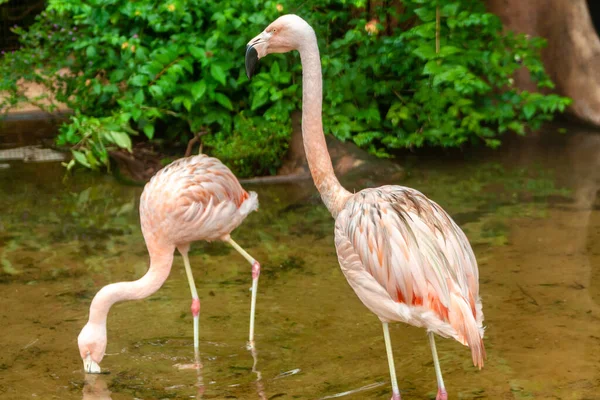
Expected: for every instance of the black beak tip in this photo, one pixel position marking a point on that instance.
(251, 61)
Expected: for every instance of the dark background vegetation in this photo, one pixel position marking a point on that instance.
(397, 74)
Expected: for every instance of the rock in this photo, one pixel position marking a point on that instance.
(346, 158)
(31, 154)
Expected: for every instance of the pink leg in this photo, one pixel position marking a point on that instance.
(195, 308)
(196, 314)
(255, 274)
(441, 394)
(388, 349)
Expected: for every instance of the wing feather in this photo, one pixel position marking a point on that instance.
(198, 193)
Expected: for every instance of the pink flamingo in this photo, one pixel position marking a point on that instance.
(402, 254)
(193, 198)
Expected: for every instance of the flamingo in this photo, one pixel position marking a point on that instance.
(401, 252)
(193, 198)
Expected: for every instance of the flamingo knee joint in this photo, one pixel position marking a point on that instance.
(195, 307)
(255, 269)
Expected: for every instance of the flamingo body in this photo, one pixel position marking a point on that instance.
(193, 198)
(409, 262)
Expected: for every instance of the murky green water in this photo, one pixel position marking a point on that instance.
(531, 212)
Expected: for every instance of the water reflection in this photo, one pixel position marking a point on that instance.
(577, 158)
(95, 387)
(584, 154)
(199, 381)
(260, 387)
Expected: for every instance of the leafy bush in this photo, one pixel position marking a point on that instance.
(389, 92)
(167, 69)
(128, 67)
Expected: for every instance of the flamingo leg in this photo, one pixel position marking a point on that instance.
(441, 394)
(255, 274)
(195, 304)
(390, 356)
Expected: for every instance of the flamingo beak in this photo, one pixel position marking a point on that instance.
(90, 366)
(251, 60)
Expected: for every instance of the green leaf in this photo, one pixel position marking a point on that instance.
(432, 67)
(529, 110)
(448, 50)
(81, 159)
(149, 130)
(224, 101)
(517, 127)
(136, 113)
(121, 139)
(187, 103)
(151, 69)
(217, 72)
(260, 98)
(197, 52)
(426, 14)
(156, 91)
(198, 89)
(139, 97)
(90, 51)
(275, 70)
(139, 80)
(425, 51)
(449, 74)
(426, 30)
(187, 65)
(117, 75)
(124, 118)
(450, 10)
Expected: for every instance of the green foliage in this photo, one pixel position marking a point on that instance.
(251, 147)
(158, 69)
(411, 95)
(163, 70)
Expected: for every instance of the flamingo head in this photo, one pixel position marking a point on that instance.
(288, 32)
(92, 345)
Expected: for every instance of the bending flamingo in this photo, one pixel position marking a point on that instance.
(402, 254)
(193, 198)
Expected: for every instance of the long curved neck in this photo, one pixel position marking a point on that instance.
(160, 266)
(333, 194)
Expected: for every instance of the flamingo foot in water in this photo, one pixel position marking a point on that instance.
(396, 396)
(441, 395)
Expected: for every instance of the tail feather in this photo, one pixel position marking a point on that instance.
(468, 330)
(250, 204)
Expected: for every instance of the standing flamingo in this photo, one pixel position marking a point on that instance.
(193, 198)
(402, 254)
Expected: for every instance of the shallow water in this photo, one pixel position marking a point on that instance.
(530, 210)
